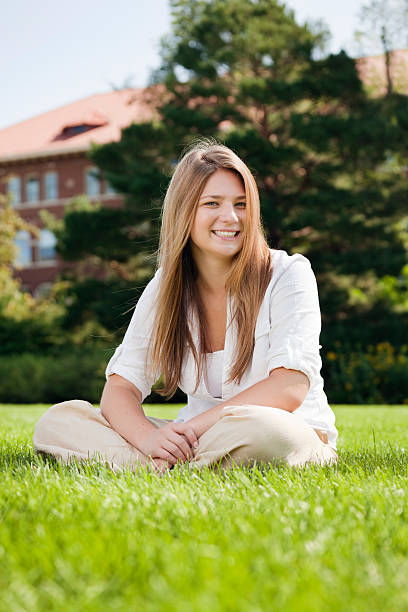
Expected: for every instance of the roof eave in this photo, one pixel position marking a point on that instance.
(39, 154)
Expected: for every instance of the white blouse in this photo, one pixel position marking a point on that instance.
(214, 373)
(286, 335)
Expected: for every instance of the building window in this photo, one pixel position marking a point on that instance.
(46, 245)
(23, 242)
(51, 185)
(32, 189)
(92, 182)
(74, 130)
(109, 189)
(14, 188)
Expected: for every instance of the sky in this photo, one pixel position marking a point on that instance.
(54, 53)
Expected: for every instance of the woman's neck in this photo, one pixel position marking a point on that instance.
(212, 277)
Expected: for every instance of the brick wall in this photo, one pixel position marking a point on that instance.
(71, 170)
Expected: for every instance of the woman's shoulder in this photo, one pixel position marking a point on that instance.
(288, 271)
(281, 261)
(154, 281)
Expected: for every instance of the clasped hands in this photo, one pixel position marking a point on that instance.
(168, 444)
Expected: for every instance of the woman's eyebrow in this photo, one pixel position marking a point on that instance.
(220, 197)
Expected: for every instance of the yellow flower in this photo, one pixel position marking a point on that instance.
(331, 356)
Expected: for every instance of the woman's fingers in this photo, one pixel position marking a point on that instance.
(182, 443)
(167, 456)
(188, 432)
(174, 450)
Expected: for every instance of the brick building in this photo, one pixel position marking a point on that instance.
(43, 162)
(43, 165)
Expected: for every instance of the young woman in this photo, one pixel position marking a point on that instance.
(230, 321)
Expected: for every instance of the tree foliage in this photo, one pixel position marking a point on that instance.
(25, 323)
(330, 163)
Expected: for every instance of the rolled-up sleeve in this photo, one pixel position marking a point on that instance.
(129, 357)
(295, 321)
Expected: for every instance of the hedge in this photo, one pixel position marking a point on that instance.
(376, 375)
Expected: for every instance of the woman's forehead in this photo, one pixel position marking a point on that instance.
(224, 182)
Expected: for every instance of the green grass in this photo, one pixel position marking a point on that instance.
(82, 538)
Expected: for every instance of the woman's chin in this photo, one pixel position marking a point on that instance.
(227, 251)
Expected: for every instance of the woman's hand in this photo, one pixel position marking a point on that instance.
(172, 442)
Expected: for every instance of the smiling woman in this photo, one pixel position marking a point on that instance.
(219, 222)
(232, 322)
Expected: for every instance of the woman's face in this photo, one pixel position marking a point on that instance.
(220, 218)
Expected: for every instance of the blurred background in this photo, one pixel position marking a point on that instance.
(98, 103)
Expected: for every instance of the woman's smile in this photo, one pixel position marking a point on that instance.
(226, 234)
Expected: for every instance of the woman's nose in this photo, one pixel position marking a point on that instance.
(228, 213)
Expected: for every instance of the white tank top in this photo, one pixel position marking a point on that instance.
(214, 373)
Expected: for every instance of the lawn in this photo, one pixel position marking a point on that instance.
(82, 538)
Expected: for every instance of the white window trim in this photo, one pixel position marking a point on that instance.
(65, 201)
(39, 246)
(15, 176)
(30, 243)
(86, 170)
(49, 263)
(27, 177)
(44, 177)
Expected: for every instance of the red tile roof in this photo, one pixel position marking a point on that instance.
(103, 114)
(371, 71)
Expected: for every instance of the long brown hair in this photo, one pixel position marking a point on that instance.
(249, 276)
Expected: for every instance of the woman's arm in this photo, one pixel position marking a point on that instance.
(121, 405)
(285, 389)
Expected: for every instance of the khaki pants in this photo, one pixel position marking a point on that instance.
(243, 435)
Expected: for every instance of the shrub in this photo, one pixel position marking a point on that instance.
(33, 378)
(58, 375)
(374, 376)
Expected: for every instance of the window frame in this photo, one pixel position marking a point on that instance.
(39, 247)
(29, 244)
(87, 171)
(47, 173)
(27, 178)
(9, 179)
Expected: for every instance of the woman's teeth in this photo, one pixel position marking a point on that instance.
(225, 234)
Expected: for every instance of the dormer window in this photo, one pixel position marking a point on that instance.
(79, 125)
(74, 130)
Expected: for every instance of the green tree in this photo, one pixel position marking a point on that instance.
(26, 324)
(330, 163)
(14, 302)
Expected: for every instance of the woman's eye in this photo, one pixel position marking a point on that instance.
(241, 204)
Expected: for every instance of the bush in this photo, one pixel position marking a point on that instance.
(59, 375)
(378, 375)
(33, 378)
